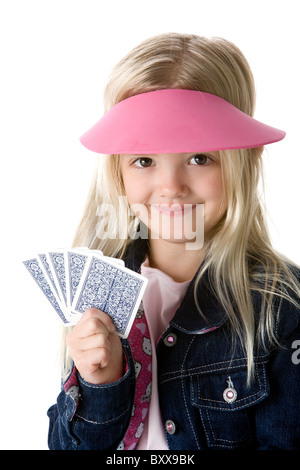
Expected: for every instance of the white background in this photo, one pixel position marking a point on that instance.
(55, 58)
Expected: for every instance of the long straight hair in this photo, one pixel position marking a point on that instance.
(239, 256)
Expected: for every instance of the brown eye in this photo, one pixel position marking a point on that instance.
(199, 159)
(144, 162)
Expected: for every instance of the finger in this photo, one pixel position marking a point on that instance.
(91, 360)
(95, 313)
(99, 340)
(92, 322)
(103, 317)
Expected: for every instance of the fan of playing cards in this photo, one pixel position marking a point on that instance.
(74, 280)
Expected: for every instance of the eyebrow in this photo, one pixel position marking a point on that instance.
(188, 154)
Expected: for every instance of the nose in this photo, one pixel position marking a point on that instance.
(171, 184)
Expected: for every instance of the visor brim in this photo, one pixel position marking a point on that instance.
(176, 121)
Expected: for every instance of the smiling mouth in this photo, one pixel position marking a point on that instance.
(173, 210)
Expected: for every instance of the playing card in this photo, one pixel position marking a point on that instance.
(35, 269)
(44, 264)
(77, 279)
(112, 288)
(56, 261)
(75, 262)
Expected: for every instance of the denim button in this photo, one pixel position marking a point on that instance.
(170, 426)
(170, 339)
(230, 393)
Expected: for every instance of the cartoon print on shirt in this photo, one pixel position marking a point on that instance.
(147, 395)
(147, 346)
(73, 392)
(137, 367)
(140, 311)
(139, 431)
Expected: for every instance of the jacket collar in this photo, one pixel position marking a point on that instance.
(188, 317)
(205, 317)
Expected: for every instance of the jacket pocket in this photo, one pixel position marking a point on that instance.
(226, 404)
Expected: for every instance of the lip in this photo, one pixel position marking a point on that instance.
(173, 210)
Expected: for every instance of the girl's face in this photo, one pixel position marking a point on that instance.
(162, 187)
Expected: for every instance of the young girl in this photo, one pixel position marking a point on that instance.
(215, 343)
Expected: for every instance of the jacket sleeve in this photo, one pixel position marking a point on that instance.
(88, 416)
(278, 417)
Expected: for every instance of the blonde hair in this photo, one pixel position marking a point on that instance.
(238, 257)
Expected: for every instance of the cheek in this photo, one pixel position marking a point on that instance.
(128, 186)
(212, 188)
(214, 198)
(135, 190)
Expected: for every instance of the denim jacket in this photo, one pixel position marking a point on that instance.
(205, 401)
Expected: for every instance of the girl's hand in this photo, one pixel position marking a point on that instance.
(95, 348)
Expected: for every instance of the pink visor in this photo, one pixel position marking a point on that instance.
(176, 121)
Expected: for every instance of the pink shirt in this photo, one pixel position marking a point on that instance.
(161, 300)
